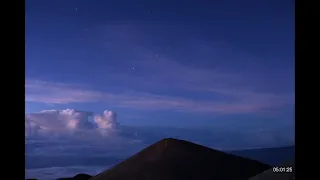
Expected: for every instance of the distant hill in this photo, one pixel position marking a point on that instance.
(173, 159)
(271, 156)
(78, 177)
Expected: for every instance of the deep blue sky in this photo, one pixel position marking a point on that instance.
(168, 63)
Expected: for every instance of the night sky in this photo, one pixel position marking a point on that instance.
(164, 63)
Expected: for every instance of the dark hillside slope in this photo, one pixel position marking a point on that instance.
(272, 156)
(172, 159)
(78, 177)
(271, 175)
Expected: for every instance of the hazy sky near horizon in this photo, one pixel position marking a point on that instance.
(164, 63)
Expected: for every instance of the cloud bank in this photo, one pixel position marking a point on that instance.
(69, 121)
(74, 126)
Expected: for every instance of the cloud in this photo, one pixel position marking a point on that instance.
(68, 121)
(236, 101)
(108, 120)
(163, 81)
(107, 123)
(72, 125)
(59, 93)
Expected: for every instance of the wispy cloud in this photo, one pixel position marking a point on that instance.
(59, 93)
(151, 79)
(155, 81)
(242, 102)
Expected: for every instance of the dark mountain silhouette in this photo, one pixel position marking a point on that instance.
(173, 159)
(78, 177)
(271, 156)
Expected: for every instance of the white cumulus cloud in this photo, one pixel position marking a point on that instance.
(107, 120)
(68, 121)
(107, 123)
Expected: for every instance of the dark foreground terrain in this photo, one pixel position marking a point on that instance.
(173, 159)
(288, 173)
(78, 177)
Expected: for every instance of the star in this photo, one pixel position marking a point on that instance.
(132, 68)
